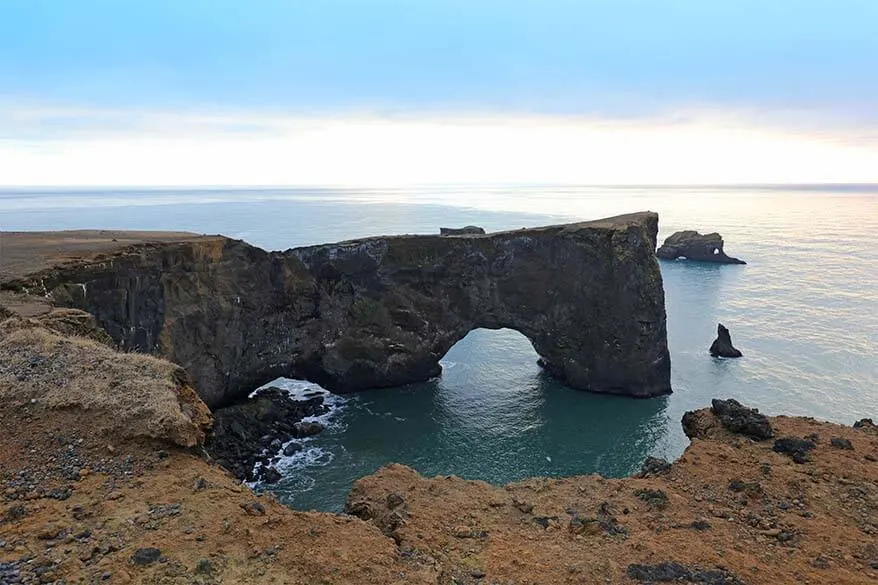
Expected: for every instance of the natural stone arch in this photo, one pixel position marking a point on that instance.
(383, 311)
(588, 296)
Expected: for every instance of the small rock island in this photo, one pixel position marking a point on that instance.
(690, 245)
(722, 345)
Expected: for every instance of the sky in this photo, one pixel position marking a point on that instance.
(369, 92)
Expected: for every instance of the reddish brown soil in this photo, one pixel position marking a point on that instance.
(768, 519)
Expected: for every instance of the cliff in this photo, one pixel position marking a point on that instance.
(379, 311)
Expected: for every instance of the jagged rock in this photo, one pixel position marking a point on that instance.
(669, 572)
(722, 345)
(146, 556)
(383, 311)
(840, 443)
(394, 500)
(691, 245)
(269, 475)
(733, 416)
(654, 466)
(470, 230)
(866, 424)
(243, 432)
(796, 448)
(307, 429)
(740, 419)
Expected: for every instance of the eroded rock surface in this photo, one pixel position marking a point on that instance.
(470, 230)
(382, 311)
(722, 345)
(691, 245)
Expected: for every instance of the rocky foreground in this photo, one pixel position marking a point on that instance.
(103, 480)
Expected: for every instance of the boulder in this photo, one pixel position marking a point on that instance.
(722, 345)
(690, 245)
(738, 418)
(307, 429)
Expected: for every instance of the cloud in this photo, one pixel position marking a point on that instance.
(81, 146)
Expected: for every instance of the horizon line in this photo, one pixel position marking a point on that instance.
(331, 186)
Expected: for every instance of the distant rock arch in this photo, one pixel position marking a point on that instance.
(383, 311)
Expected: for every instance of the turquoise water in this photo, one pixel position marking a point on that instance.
(804, 311)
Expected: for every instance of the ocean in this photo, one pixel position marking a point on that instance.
(804, 311)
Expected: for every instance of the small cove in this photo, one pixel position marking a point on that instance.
(804, 311)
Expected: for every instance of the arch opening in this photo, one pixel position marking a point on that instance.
(501, 352)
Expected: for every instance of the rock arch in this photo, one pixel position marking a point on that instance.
(588, 296)
(383, 311)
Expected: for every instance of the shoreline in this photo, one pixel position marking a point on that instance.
(103, 478)
(82, 502)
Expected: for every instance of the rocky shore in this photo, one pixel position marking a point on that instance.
(103, 480)
(248, 438)
(113, 470)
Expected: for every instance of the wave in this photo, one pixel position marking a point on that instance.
(309, 455)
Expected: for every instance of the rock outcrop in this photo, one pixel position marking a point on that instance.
(691, 245)
(49, 365)
(247, 436)
(382, 311)
(470, 230)
(722, 345)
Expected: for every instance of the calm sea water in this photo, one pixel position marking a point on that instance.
(804, 311)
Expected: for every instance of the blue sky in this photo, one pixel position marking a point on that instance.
(803, 65)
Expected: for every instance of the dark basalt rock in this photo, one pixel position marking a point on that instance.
(269, 475)
(737, 418)
(307, 429)
(671, 572)
(146, 556)
(796, 448)
(253, 431)
(690, 245)
(866, 424)
(470, 230)
(840, 443)
(722, 345)
(654, 466)
(383, 311)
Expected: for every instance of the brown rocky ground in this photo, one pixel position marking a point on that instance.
(87, 494)
(23, 253)
(728, 505)
(91, 482)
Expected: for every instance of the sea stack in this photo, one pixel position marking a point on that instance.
(722, 345)
(690, 245)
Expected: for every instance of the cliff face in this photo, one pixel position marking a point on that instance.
(383, 311)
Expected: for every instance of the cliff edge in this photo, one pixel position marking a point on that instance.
(379, 311)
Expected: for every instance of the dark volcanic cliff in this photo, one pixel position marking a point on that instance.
(383, 311)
